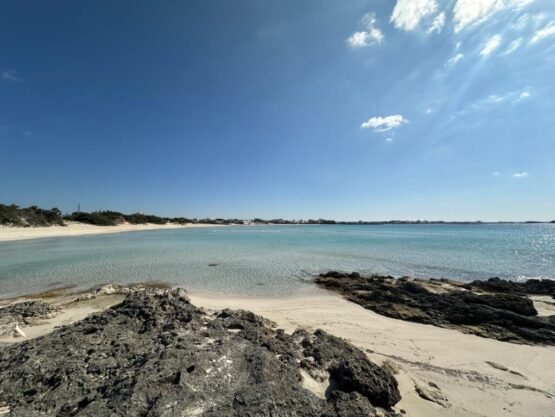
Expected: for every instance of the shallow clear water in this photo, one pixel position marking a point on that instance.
(274, 260)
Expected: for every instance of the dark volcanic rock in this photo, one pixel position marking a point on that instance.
(349, 368)
(22, 314)
(27, 311)
(158, 355)
(504, 316)
(532, 286)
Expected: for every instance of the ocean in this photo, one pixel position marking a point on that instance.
(277, 260)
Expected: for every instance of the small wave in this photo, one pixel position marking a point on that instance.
(524, 278)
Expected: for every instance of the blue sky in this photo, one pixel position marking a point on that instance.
(382, 109)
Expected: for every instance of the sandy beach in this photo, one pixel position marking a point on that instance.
(475, 376)
(8, 233)
(461, 374)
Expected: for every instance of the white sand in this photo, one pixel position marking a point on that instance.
(8, 233)
(475, 376)
(454, 361)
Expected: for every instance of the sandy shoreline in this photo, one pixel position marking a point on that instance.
(8, 233)
(475, 376)
(466, 368)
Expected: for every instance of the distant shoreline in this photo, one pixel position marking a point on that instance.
(15, 233)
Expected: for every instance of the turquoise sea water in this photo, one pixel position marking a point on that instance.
(274, 260)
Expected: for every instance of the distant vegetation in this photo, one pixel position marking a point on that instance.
(12, 215)
(31, 216)
(112, 218)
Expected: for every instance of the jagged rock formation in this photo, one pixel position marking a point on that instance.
(506, 315)
(15, 316)
(532, 286)
(155, 354)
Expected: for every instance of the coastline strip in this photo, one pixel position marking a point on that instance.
(10, 234)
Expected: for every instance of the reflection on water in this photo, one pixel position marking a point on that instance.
(272, 260)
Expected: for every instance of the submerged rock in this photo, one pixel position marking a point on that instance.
(505, 316)
(156, 354)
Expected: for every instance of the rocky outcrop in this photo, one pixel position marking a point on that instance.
(156, 354)
(507, 315)
(15, 316)
(531, 287)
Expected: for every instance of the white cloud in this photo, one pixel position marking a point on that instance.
(9, 76)
(495, 99)
(407, 14)
(389, 140)
(437, 23)
(513, 46)
(429, 110)
(371, 36)
(520, 175)
(453, 60)
(491, 45)
(537, 18)
(521, 22)
(527, 19)
(471, 12)
(547, 31)
(523, 95)
(495, 174)
(359, 40)
(383, 124)
(489, 102)
(513, 96)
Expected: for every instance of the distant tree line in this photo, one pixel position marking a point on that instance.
(13, 215)
(33, 216)
(113, 218)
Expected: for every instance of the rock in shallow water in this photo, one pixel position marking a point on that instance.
(158, 355)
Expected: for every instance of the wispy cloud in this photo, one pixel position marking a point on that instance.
(437, 23)
(453, 60)
(371, 36)
(407, 14)
(523, 95)
(547, 31)
(495, 174)
(472, 12)
(493, 100)
(491, 45)
(9, 76)
(513, 46)
(385, 123)
(273, 30)
(520, 175)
